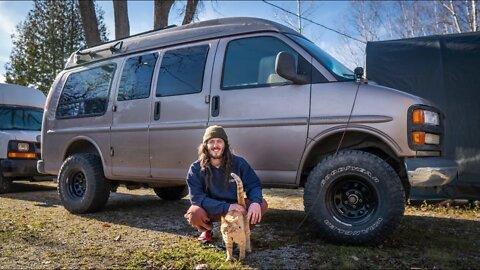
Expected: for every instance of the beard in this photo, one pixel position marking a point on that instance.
(215, 154)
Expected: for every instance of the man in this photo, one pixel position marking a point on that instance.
(212, 190)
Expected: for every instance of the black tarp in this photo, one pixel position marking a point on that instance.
(444, 69)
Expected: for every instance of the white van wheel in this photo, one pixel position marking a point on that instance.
(81, 184)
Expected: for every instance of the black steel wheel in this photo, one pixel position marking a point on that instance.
(354, 198)
(82, 186)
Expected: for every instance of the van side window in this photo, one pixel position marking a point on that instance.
(250, 62)
(181, 71)
(137, 77)
(86, 92)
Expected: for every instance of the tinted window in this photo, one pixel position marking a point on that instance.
(86, 92)
(20, 118)
(340, 71)
(137, 77)
(181, 71)
(250, 62)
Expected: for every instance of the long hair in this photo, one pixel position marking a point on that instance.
(205, 162)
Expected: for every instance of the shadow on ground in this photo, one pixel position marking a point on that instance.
(279, 226)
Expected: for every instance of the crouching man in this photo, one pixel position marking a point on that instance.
(212, 191)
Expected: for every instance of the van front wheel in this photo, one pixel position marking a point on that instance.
(354, 198)
(81, 184)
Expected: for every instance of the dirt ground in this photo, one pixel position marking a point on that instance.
(136, 229)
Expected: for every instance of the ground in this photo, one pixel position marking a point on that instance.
(136, 229)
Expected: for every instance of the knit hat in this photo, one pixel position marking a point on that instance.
(215, 132)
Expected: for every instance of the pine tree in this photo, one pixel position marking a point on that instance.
(44, 41)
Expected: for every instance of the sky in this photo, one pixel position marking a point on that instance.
(328, 13)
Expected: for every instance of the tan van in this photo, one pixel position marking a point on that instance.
(21, 112)
(133, 112)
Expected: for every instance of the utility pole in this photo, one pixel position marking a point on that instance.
(299, 18)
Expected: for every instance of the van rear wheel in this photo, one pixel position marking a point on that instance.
(81, 184)
(171, 193)
(5, 184)
(354, 198)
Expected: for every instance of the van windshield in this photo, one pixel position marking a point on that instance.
(20, 118)
(340, 71)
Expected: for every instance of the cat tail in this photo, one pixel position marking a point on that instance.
(240, 195)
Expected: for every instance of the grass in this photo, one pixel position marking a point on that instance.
(136, 230)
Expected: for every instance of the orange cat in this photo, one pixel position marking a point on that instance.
(235, 226)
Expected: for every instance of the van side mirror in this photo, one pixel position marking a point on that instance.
(286, 66)
(358, 74)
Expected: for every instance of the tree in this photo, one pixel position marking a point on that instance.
(377, 20)
(90, 24)
(122, 25)
(161, 9)
(44, 41)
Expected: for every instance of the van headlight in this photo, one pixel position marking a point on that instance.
(24, 150)
(425, 117)
(425, 128)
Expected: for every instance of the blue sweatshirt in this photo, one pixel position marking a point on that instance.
(217, 199)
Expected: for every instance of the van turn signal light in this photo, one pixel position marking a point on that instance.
(418, 137)
(21, 155)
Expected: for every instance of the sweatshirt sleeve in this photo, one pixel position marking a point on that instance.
(251, 182)
(196, 188)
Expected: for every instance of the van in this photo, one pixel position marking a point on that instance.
(133, 111)
(21, 112)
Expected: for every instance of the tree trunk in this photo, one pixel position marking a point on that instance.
(89, 21)
(190, 11)
(122, 25)
(161, 11)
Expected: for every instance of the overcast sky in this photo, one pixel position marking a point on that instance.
(328, 13)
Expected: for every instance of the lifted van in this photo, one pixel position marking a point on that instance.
(21, 112)
(133, 112)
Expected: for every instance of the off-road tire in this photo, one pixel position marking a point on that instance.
(354, 198)
(81, 184)
(171, 193)
(5, 184)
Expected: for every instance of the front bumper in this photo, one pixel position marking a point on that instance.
(429, 172)
(19, 168)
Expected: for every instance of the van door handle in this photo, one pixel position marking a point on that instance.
(215, 106)
(156, 112)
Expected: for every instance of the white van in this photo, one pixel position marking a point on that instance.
(21, 112)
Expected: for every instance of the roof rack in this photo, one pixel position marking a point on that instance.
(172, 35)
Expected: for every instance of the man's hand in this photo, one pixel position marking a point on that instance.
(254, 213)
(237, 207)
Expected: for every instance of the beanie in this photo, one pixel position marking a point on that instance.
(215, 132)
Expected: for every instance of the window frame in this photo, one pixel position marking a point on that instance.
(280, 37)
(173, 48)
(83, 69)
(152, 80)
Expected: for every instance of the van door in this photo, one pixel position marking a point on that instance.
(180, 108)
(131, 117)
(265, 115)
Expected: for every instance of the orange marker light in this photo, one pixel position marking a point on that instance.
(418, 137)
(418, 117)
(22, 155)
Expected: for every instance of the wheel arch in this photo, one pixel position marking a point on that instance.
(356, 138)
(83, 144)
